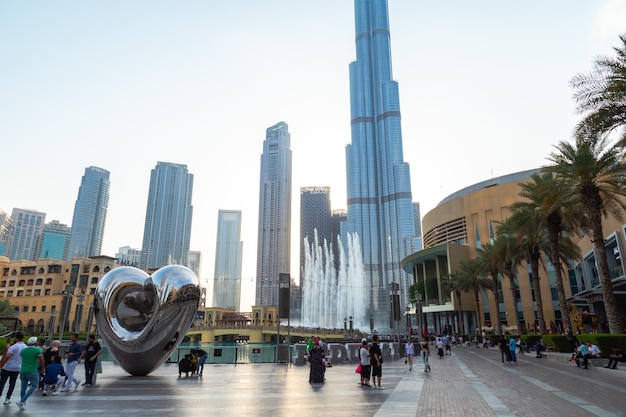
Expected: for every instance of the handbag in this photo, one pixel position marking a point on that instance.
(358, 369)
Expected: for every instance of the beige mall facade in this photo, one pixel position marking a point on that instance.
(467, 219)
(49, 291)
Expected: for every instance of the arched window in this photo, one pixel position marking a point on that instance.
(39, 281)
(107, 268)
(96, 268)
(41, 271)
(14, 272)
(12, 283)
(30, 282)
(21, 283)
(49, 281)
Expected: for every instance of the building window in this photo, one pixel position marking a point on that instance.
(96, 268)
(21, 283)
(37, 292)
(92, 291)
(94, 280)
(30, 282)
(10, 293)
(25, 309)
(41, 271)
(47, 292)
(20, 293)
(49, 281)
(3, 284)
(12, 283)
(29, 293)
(39, 281)
(43, 309)
(33, 309)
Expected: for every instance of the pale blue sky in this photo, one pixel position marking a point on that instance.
(484, 90)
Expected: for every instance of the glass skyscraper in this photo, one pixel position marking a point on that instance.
(315, 215)
(379, 206)
(54, 242)
(274, 236)
(27, 226)
(167, 230)
(90, 212)
(228, 260)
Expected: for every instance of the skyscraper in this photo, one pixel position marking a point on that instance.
(167, 230)
(228, 260)
(90, 212)
(27, 226)
(6, 229)
(54, 242)
(378, 182)
(274, 236)
(315, 215)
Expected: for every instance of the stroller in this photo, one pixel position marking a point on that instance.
(186, 366)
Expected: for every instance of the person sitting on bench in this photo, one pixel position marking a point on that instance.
(617, 355)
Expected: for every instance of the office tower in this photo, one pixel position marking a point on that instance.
(274, 235)
(194, 261)
(90, 212)
(128, 256)
(167, 230)
(228, 260)
(27, 225)
(378, 182)
(54, 242)
(315, 215)
(6, 228)
(337, 217)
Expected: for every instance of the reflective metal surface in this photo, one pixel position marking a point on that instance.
(142, 318)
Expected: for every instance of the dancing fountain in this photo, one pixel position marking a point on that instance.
(330, 296)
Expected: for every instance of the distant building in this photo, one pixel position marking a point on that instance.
(194, 262)
(54, 242)
(128, 256)
(90, 212)
(167, 230)
(274, 235)
(315, 216)
(228, 260)
(27, 226)
(338, 217)
(6, 229)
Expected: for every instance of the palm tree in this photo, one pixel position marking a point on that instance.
(490, 262)
(557, 205)
(470, 278)
(600, 95)
(528, 227)
(595, 172)
(6, 309)
(508, 249)
(451, 283)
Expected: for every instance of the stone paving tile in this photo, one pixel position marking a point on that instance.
(472, 382)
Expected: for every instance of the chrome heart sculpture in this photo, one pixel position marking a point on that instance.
(142, 318)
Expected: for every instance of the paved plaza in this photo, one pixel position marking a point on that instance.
(471, 382)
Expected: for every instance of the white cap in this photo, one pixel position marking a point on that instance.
(363, 340)
(32, 341)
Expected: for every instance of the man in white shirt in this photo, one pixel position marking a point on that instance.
(594, 351)
(10, 364)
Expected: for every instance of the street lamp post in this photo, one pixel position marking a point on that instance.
(51, 323)
(67, 303)
(78, 316)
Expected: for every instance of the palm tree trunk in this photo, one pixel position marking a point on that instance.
(459, 313)
(518, 323)
(494, 278)
(595, 217)
(554, 234)
(478, 320)
(534, 267)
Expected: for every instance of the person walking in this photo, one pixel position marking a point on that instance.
(376, 360)
(10, 364)
(364, 357)
(73, 354)
(410, 351)
(504, 350)
(425, 348)
(31, 357)
(91, 353)
(512, 348)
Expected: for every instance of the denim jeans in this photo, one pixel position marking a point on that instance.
(33, 378)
